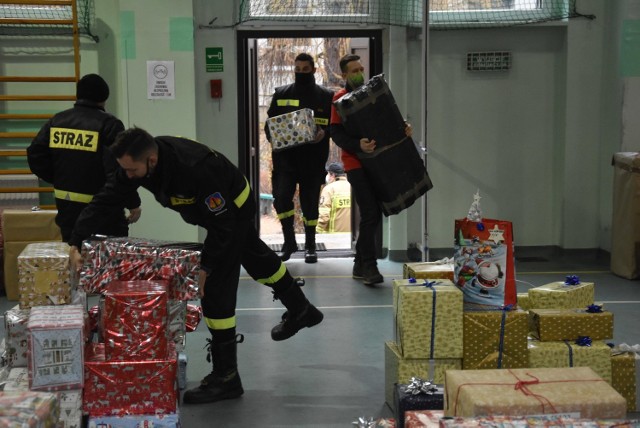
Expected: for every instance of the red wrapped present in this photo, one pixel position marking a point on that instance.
(135, 320)
(129, 387)
(56, 338)
(194, 315)
(127, 259)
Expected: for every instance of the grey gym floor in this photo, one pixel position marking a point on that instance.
(331, 374)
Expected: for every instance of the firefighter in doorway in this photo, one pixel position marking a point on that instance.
(303, 164)
(335, 202)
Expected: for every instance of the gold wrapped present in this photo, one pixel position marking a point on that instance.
(412, 282)
(518, 392)
(401, 370)
(558, 295)
(429, 321)
(44, 275)
(428, 270)
(624, 377)
(495, 339)
(523, 300)
(569, 354)
(569, 324)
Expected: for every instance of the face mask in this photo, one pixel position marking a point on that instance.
(327, 179)
(356, 80)
(305, 78)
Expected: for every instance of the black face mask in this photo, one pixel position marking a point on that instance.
(305, 79)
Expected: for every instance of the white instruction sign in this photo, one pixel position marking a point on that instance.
(160, 80)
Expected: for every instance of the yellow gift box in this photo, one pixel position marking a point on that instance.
(569, 354)
(401, 370)
(44, 275)
(624, 377)
(429, 320)
(523, 300)
(495, 339)
(428, 270)
(558, 295)
(569, 324)
(518, 392)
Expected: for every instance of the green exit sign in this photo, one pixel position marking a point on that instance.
(214, 59)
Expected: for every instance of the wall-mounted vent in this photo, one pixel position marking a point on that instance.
(488, 61)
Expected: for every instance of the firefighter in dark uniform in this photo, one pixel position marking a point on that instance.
(304, 164)
(70, 152)
(207, 190)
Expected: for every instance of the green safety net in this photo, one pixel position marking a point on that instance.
(443, 14)
(49, 14)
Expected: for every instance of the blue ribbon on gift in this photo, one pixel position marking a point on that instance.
(584, 341)
(566, 342)
(594, 309)
(503, 322)
(480, 226)
(572, 280)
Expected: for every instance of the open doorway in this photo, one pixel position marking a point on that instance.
(266, 62)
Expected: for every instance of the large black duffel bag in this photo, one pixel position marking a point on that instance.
(396, 169)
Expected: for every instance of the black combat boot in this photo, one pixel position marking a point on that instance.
(224, 381)
(310, 255)
(290, 246)
(370, 274)
(300, 313)
(357, 268)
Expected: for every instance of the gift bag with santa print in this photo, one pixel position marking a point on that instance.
(483, 260)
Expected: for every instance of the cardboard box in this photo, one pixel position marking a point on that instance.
(429, 321)
(400, 370)
(44, 274)
(518, 392)
(558, 295)
(569, 324)
(27, 225)
(568, 354)
(495, 340)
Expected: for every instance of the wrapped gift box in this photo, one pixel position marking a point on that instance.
(127, 259)
(597, 356)
(495, 339)
(538, 421)
(625, 377)
(18, 380)
(415, 283)
(292, 129)
(29, 409)
(517, 392)
(405, 398)
(523, 300)
(135, 320)
(15, 325)
(136, 421)
(178, 323)
(429, 320)
(56, 338)
(570, 324)
(558, 295)
(193, 317)
(428, 270)
(44, 275)
(423, 418)
(70, 409)
(118, 388)
(400, 370)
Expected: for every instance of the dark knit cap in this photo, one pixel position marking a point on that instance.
(336, 168)
(92, 87)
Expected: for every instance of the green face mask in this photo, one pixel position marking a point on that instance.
(356, 80)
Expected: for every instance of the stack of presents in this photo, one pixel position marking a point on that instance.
(471, 351)
(119, 362)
